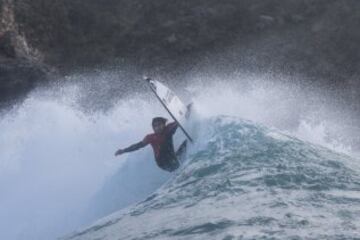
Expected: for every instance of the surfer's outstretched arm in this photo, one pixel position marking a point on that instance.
(131, 148)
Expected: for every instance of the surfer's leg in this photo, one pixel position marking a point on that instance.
(167, 158)
(167, 161)
(181, 149)
(171, 165)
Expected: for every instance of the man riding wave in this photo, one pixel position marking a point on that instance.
(162, 143)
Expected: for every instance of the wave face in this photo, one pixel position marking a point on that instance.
(245, 181)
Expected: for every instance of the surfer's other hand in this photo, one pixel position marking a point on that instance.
(119, 152)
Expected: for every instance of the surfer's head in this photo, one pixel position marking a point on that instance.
(158, 124)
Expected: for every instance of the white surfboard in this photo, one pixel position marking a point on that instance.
(175, 107)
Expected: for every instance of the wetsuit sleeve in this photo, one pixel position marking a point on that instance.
(171, 128)
(135, 146)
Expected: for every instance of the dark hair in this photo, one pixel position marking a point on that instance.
(158, 119)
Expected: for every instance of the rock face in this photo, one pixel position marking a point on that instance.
(21, 66)
(72, 32)
(317, 38)
(17, 79)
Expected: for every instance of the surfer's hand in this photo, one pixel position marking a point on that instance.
(119, 152)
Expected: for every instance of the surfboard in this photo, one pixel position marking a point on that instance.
(178, 111)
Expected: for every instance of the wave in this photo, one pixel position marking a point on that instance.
(57, 168)
(246, 181)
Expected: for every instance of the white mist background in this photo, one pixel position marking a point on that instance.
(54, 157)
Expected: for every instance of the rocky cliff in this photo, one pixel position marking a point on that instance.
(315, 38)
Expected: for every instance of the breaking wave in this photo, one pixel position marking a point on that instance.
(246, 181)
(58, 172)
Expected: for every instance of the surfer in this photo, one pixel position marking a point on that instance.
(162, 144)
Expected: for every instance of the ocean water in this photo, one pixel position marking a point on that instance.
(245, 181)
(58, 172)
